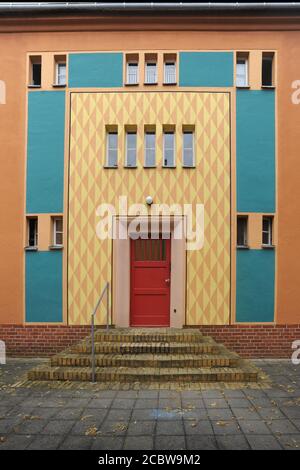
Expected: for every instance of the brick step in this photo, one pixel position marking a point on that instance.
(143, 335)
(146, 360)
(146, 375)
(207, 346)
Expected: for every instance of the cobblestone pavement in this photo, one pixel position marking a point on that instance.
(233, 418)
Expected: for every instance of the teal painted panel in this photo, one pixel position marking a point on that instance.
(207, 69)
(96, 70)
(255, 150)
(43, 286)
(45, 152)
(255, 277)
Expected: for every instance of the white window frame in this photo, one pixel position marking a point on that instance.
(108, 164)
(166, 80)
(149, 82)
(149, 148)
(56, 232)
(245, 234)
(128, 65)
(269, 231)
(36, 232)
(192, 148)
(245, 76)
(164, 149)
(127, 149)
(58, 64)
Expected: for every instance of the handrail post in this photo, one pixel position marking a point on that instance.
(107, 307)
(93, 349)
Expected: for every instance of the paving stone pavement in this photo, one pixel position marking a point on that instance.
(239, 418)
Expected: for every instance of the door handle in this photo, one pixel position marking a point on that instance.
(167, 281)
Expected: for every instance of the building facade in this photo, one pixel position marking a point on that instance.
(189, 108)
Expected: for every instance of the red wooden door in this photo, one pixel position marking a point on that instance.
(150, 282)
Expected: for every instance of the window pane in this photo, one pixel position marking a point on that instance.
(32, 232)
(267, 71)
(169, 158)
(59, 225)
(188, 157)
(59, 239)
(61, 74)
(168, 149)
(36, 74)
(112, 158)
(131, 149)
(150, 149)
(170, 72)
(241, 231)
(151, 76)
(169, 140)
(113, 140)
(241, 73)
(132, 73)
(265, 238)
(188, 138)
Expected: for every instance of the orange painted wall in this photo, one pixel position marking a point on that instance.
(131, 34)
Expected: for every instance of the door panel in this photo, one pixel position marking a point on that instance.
(150, 282)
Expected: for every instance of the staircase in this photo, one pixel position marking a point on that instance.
(148, 356)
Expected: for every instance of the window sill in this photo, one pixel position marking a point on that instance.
(130, 167)
(34, 86)
(152, 83)
(149, 166)
(243, 87)
(56, 247)
(188, 167)
(268, 247)
(58, 85)
(242, 247)
(31, 248)
(108, 167)
(268, 87)
(169, 167)
(131, 84)
(172, 84)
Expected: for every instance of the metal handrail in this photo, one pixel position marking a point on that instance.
(106, 289)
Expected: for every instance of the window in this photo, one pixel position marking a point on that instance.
(61, 73)
(150, 158)
(267, 229)
(32, 228)
(57, 231)
(241, 70)
(131, 148)
(188, 148)
(132, 73)
(169, 148)
(169, 72)
(112, 148)
(35, 78)
(267, 68)
(151, 73)
(242, 223)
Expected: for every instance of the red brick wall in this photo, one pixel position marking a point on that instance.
(256, 340)
(247, 340)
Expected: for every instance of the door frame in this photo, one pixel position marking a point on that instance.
(121, 276)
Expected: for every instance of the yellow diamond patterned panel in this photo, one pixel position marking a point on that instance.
(90, 184)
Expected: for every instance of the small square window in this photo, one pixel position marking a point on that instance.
(267, 231)
(242, 231)
(32, 232)
(57, 231)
